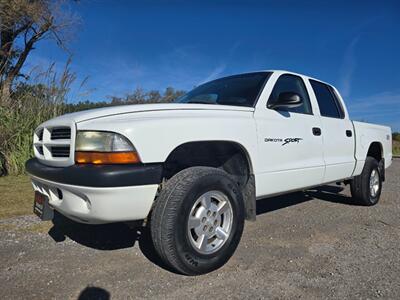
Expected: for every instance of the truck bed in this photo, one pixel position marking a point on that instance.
(365, 134)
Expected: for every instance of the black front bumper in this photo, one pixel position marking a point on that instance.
(97, 175)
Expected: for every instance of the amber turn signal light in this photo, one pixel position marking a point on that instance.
(100, 158)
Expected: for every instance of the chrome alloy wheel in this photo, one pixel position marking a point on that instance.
(374, 183)
(210, 222)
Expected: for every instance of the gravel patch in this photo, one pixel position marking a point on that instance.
(309, 245)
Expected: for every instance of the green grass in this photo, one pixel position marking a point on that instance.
(16, 196)
(16, 199)
(396, 148)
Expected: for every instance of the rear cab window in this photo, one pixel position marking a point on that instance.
(329, 104)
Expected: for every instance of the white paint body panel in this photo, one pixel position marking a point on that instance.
(338, 148)
(98, 205)
(366, 134)
(155, 134)
(292, 166)
(157, 129)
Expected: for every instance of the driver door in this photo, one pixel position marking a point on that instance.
(289, 141)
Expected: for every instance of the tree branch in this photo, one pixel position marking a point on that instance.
(28, 21)
(24, 54)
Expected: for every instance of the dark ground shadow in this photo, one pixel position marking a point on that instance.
(120, 235)
(94, 293)
(106, 237)
(328, 193)
(331, 193)
(103, 237)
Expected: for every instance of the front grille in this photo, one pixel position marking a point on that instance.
(40, 135)
(60, 151)
(62, 133)
(52, 144)
(39, 149)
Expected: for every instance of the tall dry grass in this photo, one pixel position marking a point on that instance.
(29, 105)
(43, 98)
(396, 148)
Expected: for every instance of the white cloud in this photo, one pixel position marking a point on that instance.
(214, 73)
(221, 67)
(380, 108)
(348, 67)
(385, 101)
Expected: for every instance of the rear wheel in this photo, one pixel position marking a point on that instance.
(366, 188)
(198, 220)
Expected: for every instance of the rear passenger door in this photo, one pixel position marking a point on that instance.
(337, 133)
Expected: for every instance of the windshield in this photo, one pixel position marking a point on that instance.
(238, 90)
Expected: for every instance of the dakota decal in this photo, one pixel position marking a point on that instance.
(283, 141)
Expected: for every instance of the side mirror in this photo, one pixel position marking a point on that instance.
(287, 100)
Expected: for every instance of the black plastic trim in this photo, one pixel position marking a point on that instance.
(381, 167)
(98, 175)
(316, 131)
(268, 76)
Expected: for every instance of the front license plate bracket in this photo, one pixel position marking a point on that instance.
(42, 208)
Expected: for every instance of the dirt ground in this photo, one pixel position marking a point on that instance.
(309, 245)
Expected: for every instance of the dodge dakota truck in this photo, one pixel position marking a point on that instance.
(193, 169)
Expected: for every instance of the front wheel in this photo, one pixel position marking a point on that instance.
(366, 187)
(198, 220)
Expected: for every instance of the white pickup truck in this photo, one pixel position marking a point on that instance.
(194, 169)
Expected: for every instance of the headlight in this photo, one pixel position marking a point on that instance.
(102, 142)
(97, 147)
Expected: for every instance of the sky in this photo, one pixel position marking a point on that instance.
(122, 45)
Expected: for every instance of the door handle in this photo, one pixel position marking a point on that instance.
(349, 133)
(316, 131)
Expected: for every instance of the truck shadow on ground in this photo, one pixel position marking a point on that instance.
(327, 193)
(120, 235)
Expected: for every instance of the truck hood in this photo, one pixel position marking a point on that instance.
(140, 108)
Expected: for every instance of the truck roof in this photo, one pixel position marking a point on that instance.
(291, 72)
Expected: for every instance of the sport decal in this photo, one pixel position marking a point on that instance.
(283, 141)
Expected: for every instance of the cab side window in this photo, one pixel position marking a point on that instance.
(327, 101)
(294, 84)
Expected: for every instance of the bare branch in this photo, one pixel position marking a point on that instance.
(32, 20)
